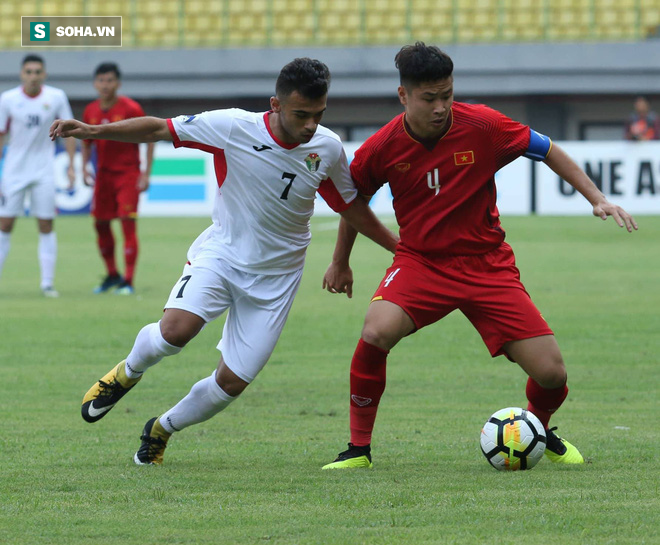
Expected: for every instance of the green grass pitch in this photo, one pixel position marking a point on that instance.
(252, 474)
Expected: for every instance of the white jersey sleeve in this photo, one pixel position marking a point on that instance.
(338, 189)
(208, 131)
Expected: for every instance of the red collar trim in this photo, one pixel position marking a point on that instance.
(272, 135)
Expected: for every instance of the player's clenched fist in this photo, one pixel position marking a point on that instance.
(63, 128)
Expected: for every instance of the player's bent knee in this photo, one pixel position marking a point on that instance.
(231, 384)
(377, 337)
(176, 336)
(552, 376)
(234, 388)
(386, 324)
(179, 329)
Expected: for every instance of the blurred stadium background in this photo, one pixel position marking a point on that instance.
(568, 68)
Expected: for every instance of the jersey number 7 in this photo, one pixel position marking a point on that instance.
(287, 176)
(184, 280)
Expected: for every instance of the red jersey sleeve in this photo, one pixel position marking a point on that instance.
(510, 138)
(366, 169)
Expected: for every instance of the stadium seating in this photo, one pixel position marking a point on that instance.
(265, 23)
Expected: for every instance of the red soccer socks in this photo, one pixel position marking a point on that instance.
(367, 386)
(129, 228)
(544, 402)
(106, 244)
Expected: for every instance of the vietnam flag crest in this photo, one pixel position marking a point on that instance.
(464, 158)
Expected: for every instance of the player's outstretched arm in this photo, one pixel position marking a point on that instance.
(559, 161)
(135, 130)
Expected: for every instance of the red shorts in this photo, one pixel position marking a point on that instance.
(116, 194)
(486, 288)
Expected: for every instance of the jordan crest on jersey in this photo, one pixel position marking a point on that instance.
(313, 161)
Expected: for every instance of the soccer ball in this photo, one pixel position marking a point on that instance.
(513, 439)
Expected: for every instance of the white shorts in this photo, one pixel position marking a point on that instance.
(42, 199)
(258, 308)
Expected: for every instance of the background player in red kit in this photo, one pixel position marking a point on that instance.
(119, 180)
(440, 159)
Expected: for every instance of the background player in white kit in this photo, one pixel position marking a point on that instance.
(269, 167)
(26, 112)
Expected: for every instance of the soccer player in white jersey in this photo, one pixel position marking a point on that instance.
(26, 112)
(269, 167)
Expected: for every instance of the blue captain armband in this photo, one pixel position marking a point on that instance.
(539, 146)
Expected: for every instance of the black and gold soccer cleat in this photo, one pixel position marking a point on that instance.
(105, 394)
(154, 440)
(353, 457)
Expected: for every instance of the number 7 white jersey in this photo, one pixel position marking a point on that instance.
(266, 188)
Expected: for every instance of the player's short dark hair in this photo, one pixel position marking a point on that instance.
(311, 78)
(421, 63)
(107, 67)
(32, 58)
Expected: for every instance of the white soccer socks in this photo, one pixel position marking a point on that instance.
(206, 399)
(150, 347)
(47, 258)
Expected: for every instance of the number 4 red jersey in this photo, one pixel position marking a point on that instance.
(444, 197)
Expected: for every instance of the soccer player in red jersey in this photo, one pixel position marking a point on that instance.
(440, 158)
(119, 180)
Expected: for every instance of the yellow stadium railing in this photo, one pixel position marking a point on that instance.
(164, 24)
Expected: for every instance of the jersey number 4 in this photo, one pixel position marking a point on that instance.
(287, 176)
(390, 277)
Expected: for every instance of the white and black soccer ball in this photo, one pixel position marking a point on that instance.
(513, 439)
